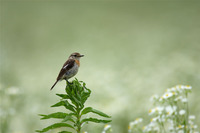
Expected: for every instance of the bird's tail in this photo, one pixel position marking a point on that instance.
(54, 84)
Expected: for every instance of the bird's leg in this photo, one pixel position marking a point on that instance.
(68, 81)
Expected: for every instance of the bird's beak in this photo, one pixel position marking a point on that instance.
(81, 55)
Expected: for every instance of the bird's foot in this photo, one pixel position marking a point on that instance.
(69, 82)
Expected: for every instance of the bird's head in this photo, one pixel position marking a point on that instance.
(76, 56)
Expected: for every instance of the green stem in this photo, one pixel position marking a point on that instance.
(163, 127)
(175, 120)
(78, 123)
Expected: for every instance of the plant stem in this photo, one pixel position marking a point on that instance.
(162, 124)
(164, 129)
(78, 123)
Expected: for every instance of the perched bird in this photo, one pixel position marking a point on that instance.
(70, 68)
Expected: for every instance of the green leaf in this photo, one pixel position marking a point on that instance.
(58, 115)
(85, 94)
(61, 103)
(76, 102)
(95, 120)
(69, 106)
(64, 96)
(69, 118)
(90, 109)
(64, 132)
(77, 93)
(56, 125)
(64, 103)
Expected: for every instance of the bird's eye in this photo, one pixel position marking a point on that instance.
(75, 55)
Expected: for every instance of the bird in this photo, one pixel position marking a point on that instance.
(69, 68)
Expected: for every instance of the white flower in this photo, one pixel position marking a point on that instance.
(182, 112)
(162, 118)
(179, 88)
(12, 91)
(167, 95)
(178, 98)
(191, 122)
(192, 117)
(180, 127)
(173, 89)
(145, 128)
(158, 119)
(171, 128)
(157, 110)
(154, 98)
(152, 126)
(152, 111)
(106, 128)
(168, 90)
(170, 110)
(133, 123)
(161, 99)
(137, 120)
(180, 131)
(184, 100)
(195, 126)
(188, 87)
(183, 87)
(154, 119)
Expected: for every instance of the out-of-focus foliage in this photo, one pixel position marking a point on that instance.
(10, 104)
(132, 49)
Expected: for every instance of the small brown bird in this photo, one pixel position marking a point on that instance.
(70, 68)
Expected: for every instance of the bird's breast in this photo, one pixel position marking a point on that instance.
(77, 62)
(71, 72)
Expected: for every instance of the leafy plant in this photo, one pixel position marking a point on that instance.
(76, 95)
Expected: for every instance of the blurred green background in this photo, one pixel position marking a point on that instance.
(133, 49)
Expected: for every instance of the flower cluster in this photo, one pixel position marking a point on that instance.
(171, 113)
(134, 125)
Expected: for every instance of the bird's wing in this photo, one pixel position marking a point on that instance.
(67, 65)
